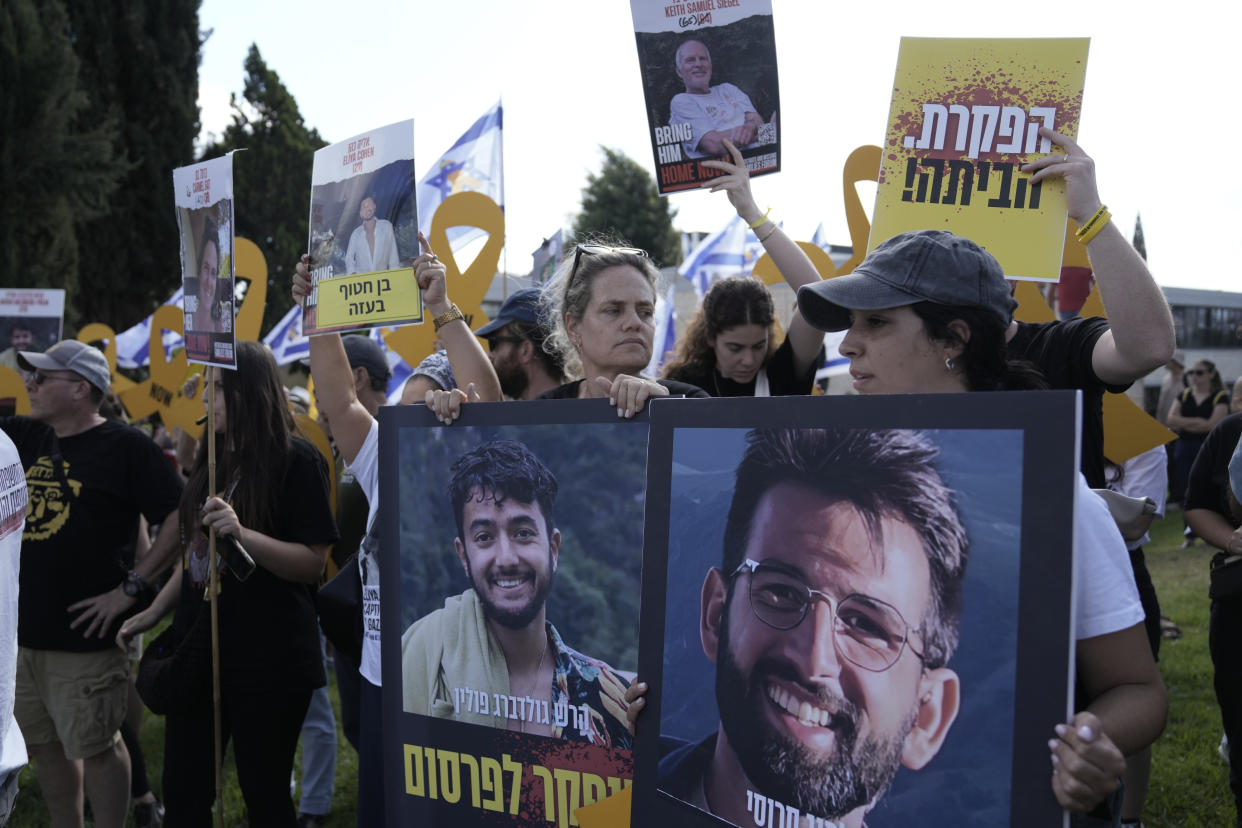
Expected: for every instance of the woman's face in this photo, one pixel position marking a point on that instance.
(740, 351)
(207, 270)
(615, 332)
(890, 353)
(1200, 375)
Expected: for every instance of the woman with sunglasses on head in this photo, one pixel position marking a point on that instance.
(273, 500)
(601, 304)
(729, 349)
(943, 331)
(1202, 404)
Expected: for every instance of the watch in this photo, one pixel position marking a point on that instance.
(133, 585)
(451, 315)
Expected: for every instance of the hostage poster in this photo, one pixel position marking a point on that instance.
(709, 75)
(965, 116)
(204, 198)
(511, 547)
(363, 233)
(856, 610)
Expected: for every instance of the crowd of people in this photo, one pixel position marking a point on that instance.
(926, 312)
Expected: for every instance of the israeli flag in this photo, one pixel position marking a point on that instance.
(819, 239)
(730, 251)
(286, 340)
(474, 164)
(133, 345)
(665, 339)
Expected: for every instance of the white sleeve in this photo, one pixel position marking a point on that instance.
(365, 470)
(1147, 475)
(1106, 599)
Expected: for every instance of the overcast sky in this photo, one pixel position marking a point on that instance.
(568, 76)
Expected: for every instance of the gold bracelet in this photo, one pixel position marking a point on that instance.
(757, 223)
(448, 316)
(768, 234)
(1094, 225)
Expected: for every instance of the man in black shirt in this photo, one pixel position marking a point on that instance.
(88, 480)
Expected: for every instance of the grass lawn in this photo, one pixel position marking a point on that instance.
(1189, 784)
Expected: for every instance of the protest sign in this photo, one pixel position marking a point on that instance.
(959, 728)
(965, 116)
(510, 546)
(363, 233)
(30, 319)
(204, 197)
(709, 74)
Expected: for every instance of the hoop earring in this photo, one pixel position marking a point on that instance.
(948, 363)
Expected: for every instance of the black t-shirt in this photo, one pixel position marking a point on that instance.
(86, 492)
(352, 509)
(783, 381)
(268, 630)
(1062, 352)
(1190, 408)
(569, 391)
(1208, 486)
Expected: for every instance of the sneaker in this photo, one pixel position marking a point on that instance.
(149, 814)
(312, 820)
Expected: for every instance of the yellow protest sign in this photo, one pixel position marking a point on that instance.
(13, 391)
(367, 300)
(470, 209)
(99, 332)
(162, 392)
(965, 116)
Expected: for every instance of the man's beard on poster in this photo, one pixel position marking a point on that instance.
(513, 619)
(855, 774)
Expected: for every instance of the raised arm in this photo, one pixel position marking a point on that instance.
(334, 381)
(795, 266)
(1141, 336)
(466, 357)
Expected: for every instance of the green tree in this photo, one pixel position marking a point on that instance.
(621, 202)
(140, 71)
(272, 178)
(58, 166)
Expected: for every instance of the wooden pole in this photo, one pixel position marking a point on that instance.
(213, 587)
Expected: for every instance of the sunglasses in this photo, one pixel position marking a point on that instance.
(599, 249)
(39, 378)
(493, 341)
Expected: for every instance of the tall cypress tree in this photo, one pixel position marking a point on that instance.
(58, 164)
(621, 201)
(272, 178)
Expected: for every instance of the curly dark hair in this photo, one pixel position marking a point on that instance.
(737, 300)
(497, 470)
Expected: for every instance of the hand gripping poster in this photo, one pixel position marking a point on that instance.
(204, 198)
(363, 233)
(510, 546)
(856, 611)
(966, 115)
(709, 75)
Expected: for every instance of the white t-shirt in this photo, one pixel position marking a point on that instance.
(13, 497)
(723, 107)
(365, 469)
(1105, 597)
(1146, 475)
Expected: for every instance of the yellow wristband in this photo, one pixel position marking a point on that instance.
(759, 221)
(1094, 225)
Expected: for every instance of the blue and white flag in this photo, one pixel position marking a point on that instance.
(474, 164)
(730, 251)
(134, 344)
(819, 239)
(665, 339)
(286, 340)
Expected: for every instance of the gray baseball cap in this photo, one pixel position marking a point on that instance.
(70, 355)
(521, 306)
(921, 266)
